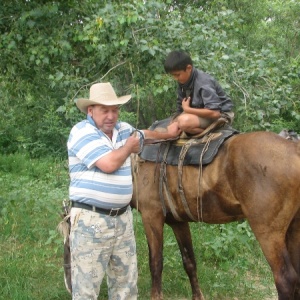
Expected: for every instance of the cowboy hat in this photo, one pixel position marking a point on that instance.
(101, 93)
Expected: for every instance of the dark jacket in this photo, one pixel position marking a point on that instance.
(205, 92)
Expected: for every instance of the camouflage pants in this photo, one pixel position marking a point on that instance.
(100, 245)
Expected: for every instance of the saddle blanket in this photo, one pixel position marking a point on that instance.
(192, 151)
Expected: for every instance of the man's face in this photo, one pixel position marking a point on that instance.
(182, 76)
(105, 117)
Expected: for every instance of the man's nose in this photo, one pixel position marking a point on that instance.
(111, 114)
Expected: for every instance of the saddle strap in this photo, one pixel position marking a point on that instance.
(163, 187)
(162, 178)
(210, 137)
(182, 155)
(163, 183)
(170, 200)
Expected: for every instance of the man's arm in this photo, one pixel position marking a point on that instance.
(112, 161)
(116, 158)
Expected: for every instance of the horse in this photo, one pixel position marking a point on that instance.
(254, 176)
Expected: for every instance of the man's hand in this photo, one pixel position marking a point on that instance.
(115, 159)
(133, 144)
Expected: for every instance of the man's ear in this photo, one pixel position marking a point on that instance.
(89, 110)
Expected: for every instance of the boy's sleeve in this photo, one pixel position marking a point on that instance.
(211, 100)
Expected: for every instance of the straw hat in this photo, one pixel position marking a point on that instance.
(101, 93)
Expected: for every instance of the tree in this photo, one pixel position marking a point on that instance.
(52, 51)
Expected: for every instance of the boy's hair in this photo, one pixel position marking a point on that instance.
(177, 61)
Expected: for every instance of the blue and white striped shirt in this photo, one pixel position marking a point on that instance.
(88, 184)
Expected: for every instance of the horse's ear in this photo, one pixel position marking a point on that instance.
(283, 133)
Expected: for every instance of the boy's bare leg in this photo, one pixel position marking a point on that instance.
(190, 123)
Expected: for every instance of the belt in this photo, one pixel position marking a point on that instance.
(110, 212)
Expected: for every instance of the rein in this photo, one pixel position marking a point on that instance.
(199, 196)
(135, 172)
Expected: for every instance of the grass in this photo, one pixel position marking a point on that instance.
(230, 262)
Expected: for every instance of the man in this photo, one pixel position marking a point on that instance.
(200, 98)
(102, 239)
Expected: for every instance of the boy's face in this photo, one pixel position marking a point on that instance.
(182, 76)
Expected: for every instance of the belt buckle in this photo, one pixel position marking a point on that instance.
(114, 212)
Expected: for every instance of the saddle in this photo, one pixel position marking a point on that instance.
(187, 150)
(195, 150)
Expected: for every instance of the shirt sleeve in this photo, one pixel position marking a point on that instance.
(211, 100)
(88, 146)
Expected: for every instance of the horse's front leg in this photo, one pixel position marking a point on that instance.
(184, 240)
(154, 234)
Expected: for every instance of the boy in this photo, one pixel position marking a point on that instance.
(201, 100)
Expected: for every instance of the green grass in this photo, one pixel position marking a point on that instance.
(230, 262)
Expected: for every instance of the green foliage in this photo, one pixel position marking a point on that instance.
(230, 236)
(29, 205)
(261, 98)
(51, 52)
(31, 260)
(128, 117)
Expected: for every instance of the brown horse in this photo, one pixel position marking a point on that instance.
(255, 176)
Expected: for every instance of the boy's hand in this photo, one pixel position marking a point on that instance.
(186, 104)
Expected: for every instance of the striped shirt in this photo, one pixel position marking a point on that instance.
(88, 184)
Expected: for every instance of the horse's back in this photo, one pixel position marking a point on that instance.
(262, 171)
(265, 152)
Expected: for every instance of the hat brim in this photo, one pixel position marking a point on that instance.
(83, 103)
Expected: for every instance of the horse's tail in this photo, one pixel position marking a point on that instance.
(64, 228)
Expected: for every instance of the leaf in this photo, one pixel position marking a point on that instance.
(61, 109)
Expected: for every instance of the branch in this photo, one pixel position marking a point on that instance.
(86, 85)
(245, 93)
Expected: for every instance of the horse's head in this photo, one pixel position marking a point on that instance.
(289, 134)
